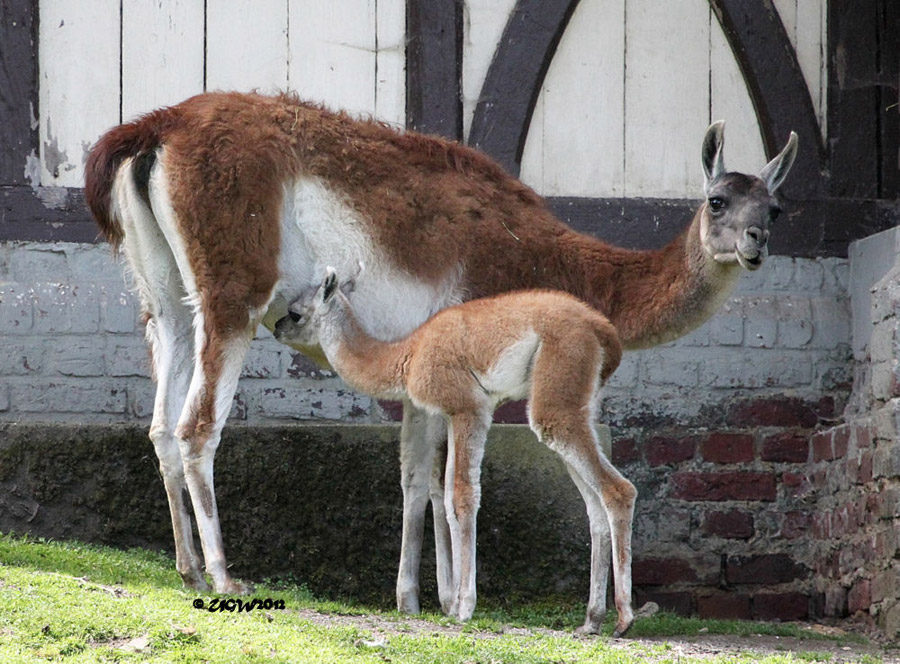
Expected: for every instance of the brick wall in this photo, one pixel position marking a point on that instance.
(854, 526)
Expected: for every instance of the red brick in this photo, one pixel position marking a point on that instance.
(841, 441)
(795, 524)
(662, 571)
(780, 606)
(680, 603)
(660, 451)
(723, 486)
(728, 448)
(865, 468)
(393, 409)
(789, 447)
(821, 525)
(822, 446)
(863, 436)
(860, 596)
(775, 412)
(724, 607)
(512, 412)
(624, 452)
(733, 524)
(797, 484)
(769, 569)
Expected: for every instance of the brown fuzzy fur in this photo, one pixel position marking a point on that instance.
(229, 154)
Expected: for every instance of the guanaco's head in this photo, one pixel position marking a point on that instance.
(314, 311)
(739, 208)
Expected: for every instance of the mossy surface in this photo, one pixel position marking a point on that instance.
(319, 504)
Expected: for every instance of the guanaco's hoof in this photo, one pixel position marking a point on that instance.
(622, 630)
(195, 581)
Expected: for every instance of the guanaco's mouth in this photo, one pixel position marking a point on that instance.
(737, 256)
(748, 263)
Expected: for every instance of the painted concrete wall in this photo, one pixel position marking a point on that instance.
(73, 349)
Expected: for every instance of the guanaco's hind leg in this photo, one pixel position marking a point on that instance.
(561, 413)
(219, 358)
(462, 496)
(170, 337)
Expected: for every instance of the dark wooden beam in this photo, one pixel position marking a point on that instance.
(18, 88)
(514, 79)
(853, 97)
(45, 215)
(433, 67)
(769, 65)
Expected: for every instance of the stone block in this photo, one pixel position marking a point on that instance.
(786, 447)
(668, 369)
(757, 370)
(859, 597)
(723, 486)
(724, 607)
(128, 356)
(728, 448)
(300, 366)
(781, 606)
(764, 569)
(4, 398)
(795, 524)
(727, 330)
(262, 362)
(680, 603)
(625, 452)
(832, 322)
(733, 524)
(76, 356)
(96, 263)
(60, 307)
(118, 310)
(322, 403)
(39, 262)
(660, 451)
(16, 309)
(662, 571)
(885, 585)
(626, 375)
(21, 356)
(70, 397)
(822, 448)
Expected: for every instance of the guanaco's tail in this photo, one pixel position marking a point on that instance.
(138, 140)
(612, 346)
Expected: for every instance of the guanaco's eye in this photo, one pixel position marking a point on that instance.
(297, 318)
(716, 204)
(774, 213)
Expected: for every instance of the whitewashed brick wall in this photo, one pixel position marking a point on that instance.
(72, 348)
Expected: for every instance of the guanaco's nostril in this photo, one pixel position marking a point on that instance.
(294, 316)
(758, 235)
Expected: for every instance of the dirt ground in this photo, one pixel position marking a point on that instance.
(688, 648)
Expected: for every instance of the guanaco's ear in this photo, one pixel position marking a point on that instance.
(349, 285)
(329, 284)
(774, 173)
(713, 162)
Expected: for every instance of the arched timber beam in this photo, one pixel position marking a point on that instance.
(754, 31)
(769, 65)
(515, 77)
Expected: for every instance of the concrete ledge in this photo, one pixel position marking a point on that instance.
(321, 503)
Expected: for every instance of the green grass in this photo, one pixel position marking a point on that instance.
(62, 601)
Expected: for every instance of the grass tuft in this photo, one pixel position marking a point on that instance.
(71, 602)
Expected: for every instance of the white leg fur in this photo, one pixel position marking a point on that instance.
(198, 454)
(170, 335)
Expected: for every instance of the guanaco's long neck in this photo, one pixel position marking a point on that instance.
(653, 297)
(368, 364)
